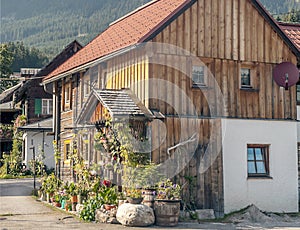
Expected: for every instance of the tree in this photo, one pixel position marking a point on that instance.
(6, 60)
(25, 57)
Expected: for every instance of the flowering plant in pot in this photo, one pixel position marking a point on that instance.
(57, 200)
(51, 185)
(108, 195)
(166, 190)
(73, 191)
(83, 191)
(167, 203)
(134, 195)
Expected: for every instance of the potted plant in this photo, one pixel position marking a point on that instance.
(109, 196)
(73, 191)
(134, 195)
(167, 203)
(83, 191)
(51, 185)
(147, 180)
(57, 200)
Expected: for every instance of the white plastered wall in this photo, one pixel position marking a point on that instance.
(298, 126)
(38, 138)
(279, 194)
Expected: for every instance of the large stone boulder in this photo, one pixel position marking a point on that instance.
(135, 215)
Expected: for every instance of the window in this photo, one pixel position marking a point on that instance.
(258, 160)
(37, 106)
(47, 106)
(298, 94)
(198, 75)
(67, 149)
(246, 78)
(67, 93)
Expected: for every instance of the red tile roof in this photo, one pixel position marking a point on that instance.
(292, 30)
(133, 28)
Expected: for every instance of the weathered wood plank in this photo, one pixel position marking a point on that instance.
(248, 26)
(208, 28)
(228, 29)
(221, 30)
(242, 41)
(235, 25)
(215, 26)
(201, 27)
(194, 30)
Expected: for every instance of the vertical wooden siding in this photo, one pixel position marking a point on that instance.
(231, 35)
(129, 71)
(207, 174)
(234, 31)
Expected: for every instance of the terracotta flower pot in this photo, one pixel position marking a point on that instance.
(74, 199)
(109, 206)
(56, 204)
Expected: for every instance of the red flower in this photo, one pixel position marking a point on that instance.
(106, 183)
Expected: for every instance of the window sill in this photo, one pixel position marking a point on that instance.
(250, 177)
(249, 89)
(201, 86)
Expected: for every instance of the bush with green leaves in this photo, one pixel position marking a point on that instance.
(90, 207)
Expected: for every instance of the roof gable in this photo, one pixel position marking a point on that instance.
(64, 55)
(119, 103)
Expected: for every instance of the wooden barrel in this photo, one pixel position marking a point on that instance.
(166, 212)
(149, 196)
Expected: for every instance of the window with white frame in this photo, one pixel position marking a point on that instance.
(47, 106)
(245, 74)
(258, 160)
(198, 75)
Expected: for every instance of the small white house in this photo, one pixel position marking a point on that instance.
(37, 139)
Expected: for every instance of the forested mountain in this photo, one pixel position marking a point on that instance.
(281, 6)
(50, 25)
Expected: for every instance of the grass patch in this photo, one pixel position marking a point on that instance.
(8, 176)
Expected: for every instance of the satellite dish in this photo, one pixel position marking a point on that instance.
(286, 74)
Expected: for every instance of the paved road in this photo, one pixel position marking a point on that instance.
(19, 210)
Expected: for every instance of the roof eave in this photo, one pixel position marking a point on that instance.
(35, 128)
(89, 64)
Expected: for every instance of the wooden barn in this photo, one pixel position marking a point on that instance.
(195, 74)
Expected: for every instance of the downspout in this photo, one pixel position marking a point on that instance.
(56, 120)
(57, 127)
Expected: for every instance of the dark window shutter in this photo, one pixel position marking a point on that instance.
(38, 106)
